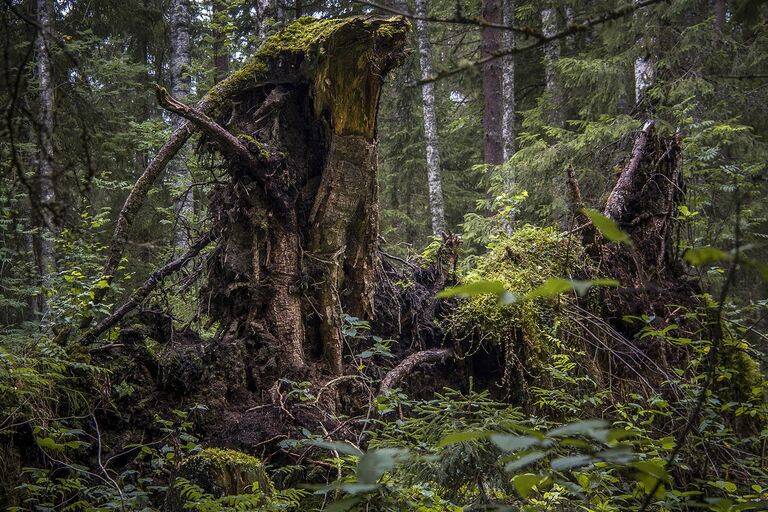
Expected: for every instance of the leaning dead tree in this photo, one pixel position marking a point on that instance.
(297, 223)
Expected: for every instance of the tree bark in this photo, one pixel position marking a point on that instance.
(721, 9)
(509, 133)
(220, 51)
(180, 21)
(299, 224)
(644, 67)
(434, 174)
(551, 56)
(410, 363)
(45, 172)
(492, 85)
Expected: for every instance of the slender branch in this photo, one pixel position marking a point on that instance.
(716, 324)
(407, 365)
(571, 29)
(459, 20)
(574, 192)
(135, 200)
(150, 284)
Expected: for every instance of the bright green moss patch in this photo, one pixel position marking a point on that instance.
(530, 331)
(221, 471)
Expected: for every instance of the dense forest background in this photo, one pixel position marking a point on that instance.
(530, 330)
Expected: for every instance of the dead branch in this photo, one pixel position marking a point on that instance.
(135, 200)
(407, 365)
(141, 188)
(150, 284)
(620, 196)
(574, 193)
(230, 144)
(257, 165)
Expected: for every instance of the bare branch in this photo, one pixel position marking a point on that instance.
(229, 142)
(135, 200)
(459, 20)
(150, 284)
(571, 29)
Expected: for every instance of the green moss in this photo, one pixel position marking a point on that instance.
(225, 472)
(521, 262)
(747, 379)
(346, 83)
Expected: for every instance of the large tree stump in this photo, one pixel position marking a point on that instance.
(298, 220)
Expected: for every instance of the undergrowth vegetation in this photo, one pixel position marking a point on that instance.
(462, 449)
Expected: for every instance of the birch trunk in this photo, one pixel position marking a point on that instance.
(434, 175)
(509, 133)
(181, 19)
(492, 86)
(645, 69)
(45, 149)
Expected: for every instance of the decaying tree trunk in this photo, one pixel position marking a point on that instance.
(643, 202)
(298, 222)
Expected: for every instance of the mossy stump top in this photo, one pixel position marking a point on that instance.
(220, 472)
(342, 60)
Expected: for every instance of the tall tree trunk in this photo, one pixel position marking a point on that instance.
(492, 85)
(45, 149)
(721, 8)
(551, 56)
(220, 51)
(645, 69)
(434, 174)
(509, 133)
(180, 21)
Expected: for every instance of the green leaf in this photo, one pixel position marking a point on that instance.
(705, 256)
(463, 437)
(343, 504)
(525, 460)
(525, 483)
(607, 227)
(652, 467)
(555, 286)
(509, 443)
(587, 427)
(358, 488)
(570, 462)
(474, 288)
(377, 462)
